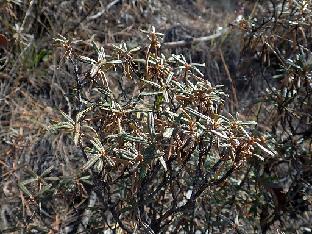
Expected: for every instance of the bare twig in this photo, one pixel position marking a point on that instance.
(190, 41)
(232, 82)
(87, 213)
(27, 21)
(100, 13)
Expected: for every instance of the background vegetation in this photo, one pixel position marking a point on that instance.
(147, 116)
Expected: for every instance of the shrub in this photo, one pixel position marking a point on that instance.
(157, 148)
(277, 42)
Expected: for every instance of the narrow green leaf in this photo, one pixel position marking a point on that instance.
(87, 59)
(45, 188)
(51, 178)
(135, 49)
(99, 165)
(163, 163)
(129, 137)
(169, 78)
(84, 112)
(265, 149)
(150, 94)
(151, 124)
(114, 62)
(220, 134)
(77, 133)
(70, 120)
(29, 181)
(168, 132)
(97, 144)
(24, 189)
(151, 83)
(91, 161)
(198, 114)
(47, 171)
(125, 154)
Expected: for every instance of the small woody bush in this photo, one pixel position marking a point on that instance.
(156, 148)
(277, 46)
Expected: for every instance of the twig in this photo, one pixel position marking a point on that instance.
(26, 25)
(228, 74)
(87, 213)
(174, 44)
(78, 84)
(100, 13)
(83, 18)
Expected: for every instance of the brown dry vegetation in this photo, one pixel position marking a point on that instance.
(49, 183)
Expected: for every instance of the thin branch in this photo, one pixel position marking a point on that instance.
(191, 41)
(100, 13)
